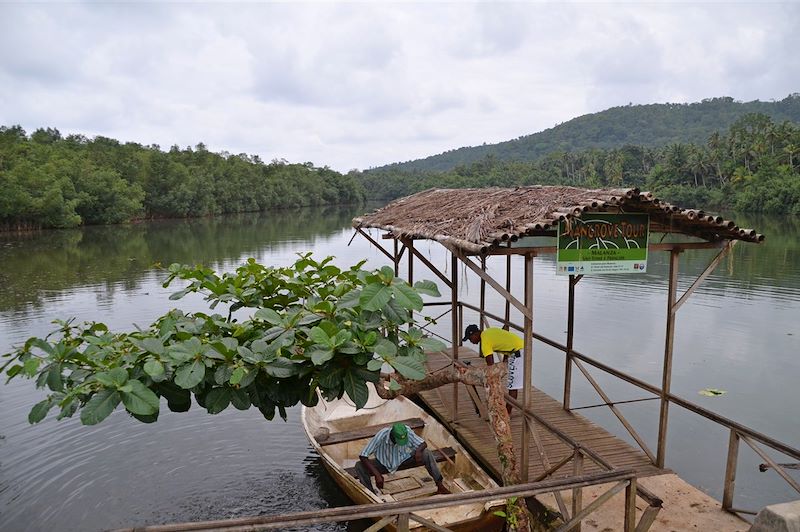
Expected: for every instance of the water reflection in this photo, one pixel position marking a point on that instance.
(37, 267)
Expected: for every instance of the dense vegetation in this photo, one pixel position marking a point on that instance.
(754, 166)
(53, 181)
(713, 154)
(654, 125)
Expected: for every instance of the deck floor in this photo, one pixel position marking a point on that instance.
(475, 433)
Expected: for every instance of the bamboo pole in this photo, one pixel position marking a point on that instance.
(666, 377)
(508, 289)
(528, 365)
(570, 335)
(577, 493)
(730, 471)
(483, 321)
(456, 333)
(396, 260)
(630, 506)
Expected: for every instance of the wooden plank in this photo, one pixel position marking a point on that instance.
(366, 432)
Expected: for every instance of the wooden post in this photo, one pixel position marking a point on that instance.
(508, 289)
(730, 471)
(528, 361)
(570, 334)
(455, 321)
(483, 322)
(396, 260)
(577, 493)
(666, 377)
(410, 245)
(402, 523)
(630, 506)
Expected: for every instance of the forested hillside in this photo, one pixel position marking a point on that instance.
(52, 181)
(753, 166)
(653, 125)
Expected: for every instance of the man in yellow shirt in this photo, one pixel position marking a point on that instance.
(507, 345)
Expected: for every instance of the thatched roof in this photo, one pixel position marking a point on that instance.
(479, 219)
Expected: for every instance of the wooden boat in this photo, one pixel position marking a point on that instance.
(339, 432)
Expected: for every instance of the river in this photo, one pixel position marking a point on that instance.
(739, 333)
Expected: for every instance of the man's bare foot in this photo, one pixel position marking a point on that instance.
(441, 490)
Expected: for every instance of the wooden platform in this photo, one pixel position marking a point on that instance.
(684, 506)
(476, 435)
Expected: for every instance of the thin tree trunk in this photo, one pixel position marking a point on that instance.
(493, 379)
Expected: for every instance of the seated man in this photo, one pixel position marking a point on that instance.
(393, 447)
(505, 344)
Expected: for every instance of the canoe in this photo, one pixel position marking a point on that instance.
(339, 432)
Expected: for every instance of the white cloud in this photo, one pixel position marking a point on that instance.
(362, 84)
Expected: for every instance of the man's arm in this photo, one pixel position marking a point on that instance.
(373, 471)
(419, 450)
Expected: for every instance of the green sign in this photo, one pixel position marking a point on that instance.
(603, 243)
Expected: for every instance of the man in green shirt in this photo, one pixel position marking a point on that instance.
(506, 345)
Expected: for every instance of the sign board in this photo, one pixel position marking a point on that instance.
(603, 243)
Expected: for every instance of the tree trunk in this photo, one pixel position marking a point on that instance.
(493, 379)
(517, 516)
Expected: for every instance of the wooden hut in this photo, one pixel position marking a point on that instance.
(475, 225)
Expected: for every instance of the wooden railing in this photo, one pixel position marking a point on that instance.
(401, 514)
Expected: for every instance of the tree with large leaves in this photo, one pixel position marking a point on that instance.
(289, 335)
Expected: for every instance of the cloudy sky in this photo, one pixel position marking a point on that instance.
(355, 85)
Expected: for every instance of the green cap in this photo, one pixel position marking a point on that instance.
(400, 434)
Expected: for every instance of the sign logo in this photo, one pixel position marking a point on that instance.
(603, 243)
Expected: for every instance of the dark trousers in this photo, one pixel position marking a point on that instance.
(427, 459)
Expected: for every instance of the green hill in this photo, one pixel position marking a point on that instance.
(652, 125)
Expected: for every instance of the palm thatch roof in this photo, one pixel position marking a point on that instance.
(476, 220)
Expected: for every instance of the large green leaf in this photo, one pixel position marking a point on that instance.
(268, 315)
(140, 399)
(154, 368)
(350, 299)
(190, 375)
(375, 296)
(407, 297)
(218, 400)
(319, 336)
(114, 378)
(39, 411)
(356, 388)
(239, 399)
(236, 375)
(153, 345)
(54, 381)
(385, 348)
(408, 367)
(100, 406)
(282, 368)
(427, 288)
(248, 355)
(319, 355)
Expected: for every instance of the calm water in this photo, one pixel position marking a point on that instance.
(738, 333)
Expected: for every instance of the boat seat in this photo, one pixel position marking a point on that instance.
(365, 432)
(440, 455)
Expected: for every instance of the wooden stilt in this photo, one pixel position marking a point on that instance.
(666, 377)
